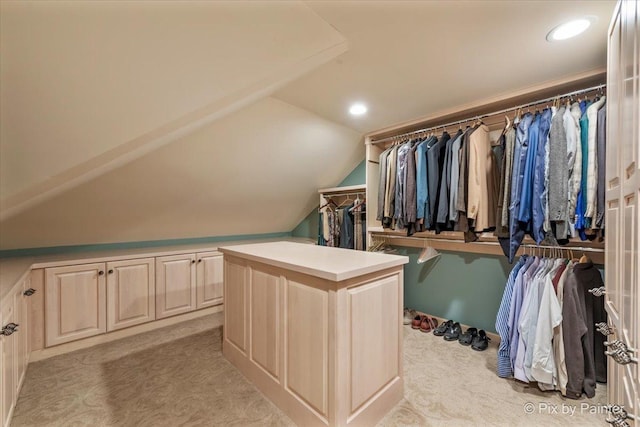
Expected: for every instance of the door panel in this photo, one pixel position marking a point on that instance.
(130, 293)
(210, 279)
(623, 189)
(75, 302)
(175, 285)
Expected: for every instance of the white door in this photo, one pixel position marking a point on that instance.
(622, 263)
(131, 293)
(210, 279)
(175, 285)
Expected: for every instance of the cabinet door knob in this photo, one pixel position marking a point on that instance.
(100, 273)
(193, 261)
(29, 292)
(110, 271)
(200, 260)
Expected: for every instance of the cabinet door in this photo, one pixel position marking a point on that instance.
(75, 302)
(22, 336)
(8, 366)
(209, 279)
(175, 285)
(131, 293)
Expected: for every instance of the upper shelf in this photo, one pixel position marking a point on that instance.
(344, 190)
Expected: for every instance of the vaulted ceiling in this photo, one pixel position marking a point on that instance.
(127, 121)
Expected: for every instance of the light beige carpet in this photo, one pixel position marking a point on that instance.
(177, 376)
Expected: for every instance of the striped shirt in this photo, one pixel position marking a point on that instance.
(502, 322)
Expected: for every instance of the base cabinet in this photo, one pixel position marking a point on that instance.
(75, 305)
(14, 352)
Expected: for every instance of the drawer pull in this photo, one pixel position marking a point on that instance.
(29, 292)
(604, 329)
(100, 273)
(9, 329)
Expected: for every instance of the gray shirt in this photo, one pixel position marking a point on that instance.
(382, 185)
(455, 175)
(445, 181)
(602, 153)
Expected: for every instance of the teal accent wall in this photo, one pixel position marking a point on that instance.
(133, 245)
(461, 286)
(308, 227)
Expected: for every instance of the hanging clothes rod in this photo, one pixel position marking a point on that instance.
(354, 193)
(482, 116)
(382, 236)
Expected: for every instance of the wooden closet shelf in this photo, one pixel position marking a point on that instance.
(487, 244)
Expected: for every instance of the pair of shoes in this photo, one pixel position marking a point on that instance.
(480, 341)
(468, 337)
(409, 314)
(453, 332)
(428, 324)
(443, 328)
(424, 323)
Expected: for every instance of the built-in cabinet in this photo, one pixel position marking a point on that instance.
(14, 347)
(84, 300)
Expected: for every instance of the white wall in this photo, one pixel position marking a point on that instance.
(254, 171)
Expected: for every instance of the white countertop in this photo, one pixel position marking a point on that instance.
(13, 270)
(333, 264)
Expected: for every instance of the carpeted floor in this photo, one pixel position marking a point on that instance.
(177, 376)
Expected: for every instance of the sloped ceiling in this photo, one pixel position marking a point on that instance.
(146, 120)
(89, 85)
(254, 171)
(409, 59)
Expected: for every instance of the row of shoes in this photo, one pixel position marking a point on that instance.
(452, 331)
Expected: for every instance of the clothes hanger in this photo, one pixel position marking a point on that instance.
(428, 253)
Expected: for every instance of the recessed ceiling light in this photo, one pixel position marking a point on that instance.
(570, 29)
(358, 109)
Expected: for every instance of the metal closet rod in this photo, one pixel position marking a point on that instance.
(379, 235)
(482, 116)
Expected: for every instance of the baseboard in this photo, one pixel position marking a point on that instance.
(123, 333)
(495, 338)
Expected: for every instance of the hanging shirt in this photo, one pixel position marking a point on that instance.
(435, 162)
(538, 192)
(515, 309)
(581, 223)
(543, 366)
(558, 188)
(502, 321)
(482, 201)
(389, 206)
(602, 152)
(577, 163)
(445, 181)
(558, 336)
(516, 233)
(526, 193)
(410, 202)
(592, 161)
(382, 182)
(509, 148)
(401, 183)
(422, 188)
(455, 175)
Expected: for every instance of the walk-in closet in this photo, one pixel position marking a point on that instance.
(319, 213)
